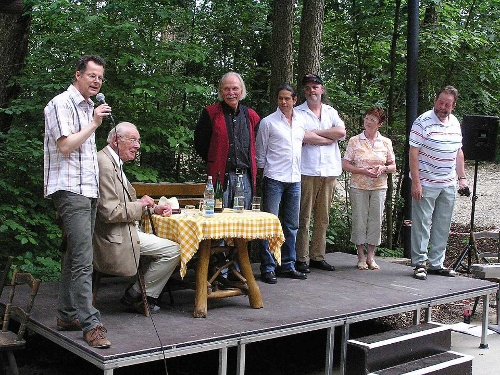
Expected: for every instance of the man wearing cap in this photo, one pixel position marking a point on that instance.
(320, 167)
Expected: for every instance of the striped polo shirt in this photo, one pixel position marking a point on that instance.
(438, 145)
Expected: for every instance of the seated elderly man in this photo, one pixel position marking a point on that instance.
(118, 242)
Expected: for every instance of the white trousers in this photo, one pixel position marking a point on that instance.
(367, 208)
(165, 257)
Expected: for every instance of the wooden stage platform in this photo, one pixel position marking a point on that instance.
(322, 302)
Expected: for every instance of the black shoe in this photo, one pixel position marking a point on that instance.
(133, 301)
(232, 277)
(269, 277)
(293, 274)
(302, 267)
(321, 264)
(154, 305)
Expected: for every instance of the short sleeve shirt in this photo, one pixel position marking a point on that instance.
(67, 114)
(324, 161)
(361, 153)
(438, 145)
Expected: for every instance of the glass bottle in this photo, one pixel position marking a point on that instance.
(208, 198)
(467, 312)
(239, 195)
(219, 204)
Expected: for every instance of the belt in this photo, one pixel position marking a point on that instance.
(237, 171)
(241, 170)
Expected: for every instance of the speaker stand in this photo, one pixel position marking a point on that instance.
(471, 248)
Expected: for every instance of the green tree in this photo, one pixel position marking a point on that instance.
(164, 61)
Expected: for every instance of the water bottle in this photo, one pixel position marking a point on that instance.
(208, 198)
(239, 195)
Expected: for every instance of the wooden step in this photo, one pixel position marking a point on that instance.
(391, 348)
(447, 363)
(486, 271)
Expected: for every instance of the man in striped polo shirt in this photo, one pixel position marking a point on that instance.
(436, 162)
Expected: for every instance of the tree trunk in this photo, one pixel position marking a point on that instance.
(14, 30)
(311, 29)
(282, 47)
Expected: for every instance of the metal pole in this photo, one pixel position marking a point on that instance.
(411, 113)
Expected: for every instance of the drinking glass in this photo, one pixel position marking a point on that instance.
(256, 204)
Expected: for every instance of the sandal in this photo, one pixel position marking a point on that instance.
(420, 272)
(362, 265)
(372, 265)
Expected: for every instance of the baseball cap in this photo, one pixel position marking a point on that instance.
(310, 77)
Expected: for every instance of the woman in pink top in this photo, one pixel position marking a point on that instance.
(369, 158)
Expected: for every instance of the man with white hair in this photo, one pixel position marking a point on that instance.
(117, 241)
(225, 138)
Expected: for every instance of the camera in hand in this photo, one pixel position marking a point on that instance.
(465, 191)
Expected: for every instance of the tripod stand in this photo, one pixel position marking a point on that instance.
(471, 247)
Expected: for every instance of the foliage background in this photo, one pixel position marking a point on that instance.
(164, 60)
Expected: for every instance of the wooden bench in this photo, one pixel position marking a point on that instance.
(186, 193)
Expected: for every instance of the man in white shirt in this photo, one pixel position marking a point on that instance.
(278, 149)
(320, 167)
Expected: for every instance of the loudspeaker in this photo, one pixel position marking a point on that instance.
(479, 137)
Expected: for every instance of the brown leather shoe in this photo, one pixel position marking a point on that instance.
(96, 338)
(72, 325)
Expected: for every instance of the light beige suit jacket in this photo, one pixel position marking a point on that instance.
(116, 242)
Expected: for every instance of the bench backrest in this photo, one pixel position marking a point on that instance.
(186, 193)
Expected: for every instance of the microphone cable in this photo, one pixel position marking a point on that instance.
(101, 99)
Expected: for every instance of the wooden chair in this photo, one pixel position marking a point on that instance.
(11, 340)
(96, 280)
(4, 274)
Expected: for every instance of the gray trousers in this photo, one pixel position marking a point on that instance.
(75, 289)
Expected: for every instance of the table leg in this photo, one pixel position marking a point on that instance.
(246, 270)
(200, 302)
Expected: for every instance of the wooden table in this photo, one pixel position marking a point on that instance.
(194, 232)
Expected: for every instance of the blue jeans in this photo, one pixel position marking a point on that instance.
(227, 199)
(75, 289)
(286, 195)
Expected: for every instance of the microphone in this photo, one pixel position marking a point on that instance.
(102, 100)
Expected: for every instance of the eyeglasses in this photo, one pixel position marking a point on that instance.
(93, 77)
(131, 140)
(371, 119)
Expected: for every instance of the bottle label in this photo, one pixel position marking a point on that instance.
(218, 205)
(209, 207)
(239, 203)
